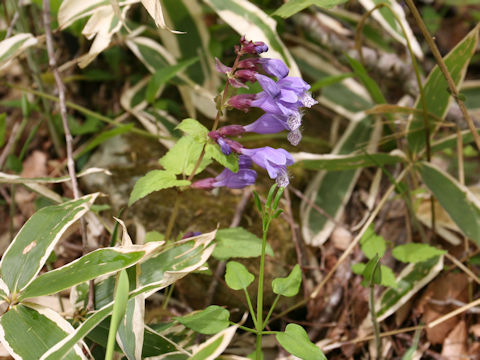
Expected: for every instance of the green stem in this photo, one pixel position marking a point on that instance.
(271, 311)
(376, 330)
(250, 308)
(259, 325)
(173, 216)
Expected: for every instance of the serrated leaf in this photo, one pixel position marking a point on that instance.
(208, 321)
(237, 276)
(194, 128)
(40, 328)
(289, 285)
(163, 75)
(372, 244)
(414, 252)
(294, 6)
(181, 158)
(229, 161)
(154, 180)
(435, 89)
(457, 200)
(238, 243)
(33, 244)
(249, 20)
(295, 340)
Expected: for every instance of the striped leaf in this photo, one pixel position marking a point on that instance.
(33, 244)
(14, 45)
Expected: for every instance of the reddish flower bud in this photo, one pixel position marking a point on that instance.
(231, 130)
(242, 101)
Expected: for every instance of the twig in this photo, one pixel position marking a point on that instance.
(444, 70)
(465, 269)
(68, 135)
(13, 22)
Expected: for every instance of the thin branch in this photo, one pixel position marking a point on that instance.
(68, 135)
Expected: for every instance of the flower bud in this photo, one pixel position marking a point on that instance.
(242, 101)
(231, 130)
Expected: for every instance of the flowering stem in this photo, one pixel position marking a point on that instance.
(259, 324)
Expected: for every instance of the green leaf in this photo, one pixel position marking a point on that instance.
(194, 128)
(208, 321)
(457, 200)
(181, 158)
(372, 244)
(409, 282)
(435, 89)
(249, 20)
(153, 181)
(40, 329)
(414, 252)
(288, 286)
(294, 6)
(370, 84)
(14, 45)
(214, 346)
(155, 274)
(237, 276)
(163, 75)
(295, 340)
(131, 329)
(229, 161)
(104, 136)
(372, 274)
(336, 162)
(33, 244)
(387, 275)
(118, 312)
(387, 20)
(94, 264)
(238, 243)
(331, 190)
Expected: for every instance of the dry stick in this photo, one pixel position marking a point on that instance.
(352, 245)
(221, 264)
(68, 135)
(444, 70)
(462, 267)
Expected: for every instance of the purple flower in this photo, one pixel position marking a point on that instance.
(268, 124)
(221, 68)
(224, 147)
(230, 130)
(275, 161)
(274, 67)
(284, 96)
(243, 177)
(251, 47)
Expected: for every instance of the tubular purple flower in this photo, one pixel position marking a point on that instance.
(224, 147)
(230, 130)
(243, 177)
(274, 67)
(251, 47)
(246, 75)
(242, 101)
(268, 124)
(275, 161)
(282, 97)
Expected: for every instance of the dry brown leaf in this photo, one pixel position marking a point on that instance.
(455, 345)
(341, 238)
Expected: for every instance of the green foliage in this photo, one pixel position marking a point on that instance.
(237, 276)
(294, 6)
(290, 285)
(372, 244)
(3, 128)
(208, 321)
(238, 243)
(387, 277)
(414, 252)
(183, 156)
(153, 181)
(295, 340)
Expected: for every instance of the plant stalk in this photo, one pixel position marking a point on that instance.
(259, 325)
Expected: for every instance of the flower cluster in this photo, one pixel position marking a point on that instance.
(281, 100)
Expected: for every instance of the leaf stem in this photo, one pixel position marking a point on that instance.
(260, 324)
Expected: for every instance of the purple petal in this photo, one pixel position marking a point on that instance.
(274, 67)
(221, 68)
(294, 83)
(268, 85)
(224, 146)
(268, 124)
